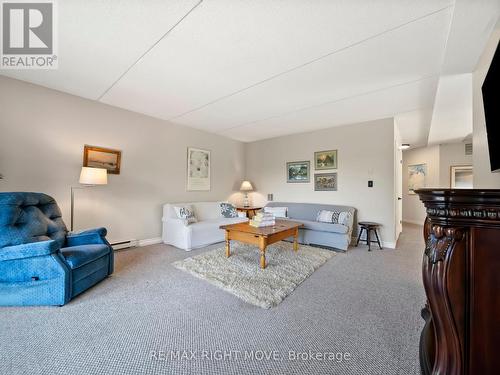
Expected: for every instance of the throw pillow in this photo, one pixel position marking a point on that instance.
(277, 211)
(228, 210)
(185, 213)
(334, 217)
(345, 218)
(325, 216)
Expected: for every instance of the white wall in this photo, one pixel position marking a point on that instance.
(413, 209)
(483, 178)
(42, 133)
(365, 152)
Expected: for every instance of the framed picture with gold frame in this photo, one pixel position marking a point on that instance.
(100, 157)
(325, 159)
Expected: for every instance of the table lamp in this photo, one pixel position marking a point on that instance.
(246, 186)
(88, 177)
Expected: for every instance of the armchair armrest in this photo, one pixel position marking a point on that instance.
(87, 237)
(29, 250)
(101, 231)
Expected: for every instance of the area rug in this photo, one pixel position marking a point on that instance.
(241, 275)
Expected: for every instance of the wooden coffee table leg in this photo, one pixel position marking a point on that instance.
(262, 248)
(228, 248)
(296, 240)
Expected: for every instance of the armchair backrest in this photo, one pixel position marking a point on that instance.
(30, 217)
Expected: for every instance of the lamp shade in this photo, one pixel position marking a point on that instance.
(93, 176)
(246, 186)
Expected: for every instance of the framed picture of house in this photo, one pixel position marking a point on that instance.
(100, 157)
(325, 181)
(198, 169)
(298, 171)
(416, 177)
(325, 159)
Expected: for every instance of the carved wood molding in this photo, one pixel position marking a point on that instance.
(439, 241)
(465, 213)
(441, 244)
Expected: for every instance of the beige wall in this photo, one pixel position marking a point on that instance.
(451, 154)
(42, 133)
(365, 152)
(439, 159)
(413, 209)
(483, 178)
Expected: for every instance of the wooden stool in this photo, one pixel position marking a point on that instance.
(369, 226)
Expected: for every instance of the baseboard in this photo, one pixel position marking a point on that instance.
(387, 244)
(416, 222)
(149, 241)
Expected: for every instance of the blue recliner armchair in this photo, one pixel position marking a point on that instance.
(40, 262)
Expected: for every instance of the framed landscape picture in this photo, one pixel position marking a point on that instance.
(325, 159)
(298, 171)
(325, 181)
(416, 177)
(198, 169)
(100, 157)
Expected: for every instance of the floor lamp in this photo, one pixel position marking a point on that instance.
(88, 177)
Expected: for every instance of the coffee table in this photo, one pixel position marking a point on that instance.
(261, 237)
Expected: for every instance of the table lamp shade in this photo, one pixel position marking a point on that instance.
(93, 176)
(246, 186)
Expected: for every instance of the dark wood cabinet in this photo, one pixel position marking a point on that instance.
(461, 276)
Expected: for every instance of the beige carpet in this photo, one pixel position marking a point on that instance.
(241, 275)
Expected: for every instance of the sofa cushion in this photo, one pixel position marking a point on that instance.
(77, 256)
(324, 227)
(309, 211)
(215, 223)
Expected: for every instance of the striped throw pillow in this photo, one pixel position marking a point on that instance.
(334, 217)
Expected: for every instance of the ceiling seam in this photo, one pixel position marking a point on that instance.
(332, 102)
(312, 61)
(149, 50)
(322, 128)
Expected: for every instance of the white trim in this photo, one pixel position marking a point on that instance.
(124, 244)
(416, 222)
(362, 241)
(149, 241)
(388, 244)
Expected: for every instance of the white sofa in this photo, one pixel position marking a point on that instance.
(202, 233)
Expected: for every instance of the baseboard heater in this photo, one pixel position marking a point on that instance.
(124, 244)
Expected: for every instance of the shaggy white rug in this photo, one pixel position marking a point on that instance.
(241, 275)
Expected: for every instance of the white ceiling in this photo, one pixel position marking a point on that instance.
(260, 69)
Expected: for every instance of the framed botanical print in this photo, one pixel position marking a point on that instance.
(325, 159)
(417, 174)
(100, 157)
(198, 169)
(298, 171)
(325, 181)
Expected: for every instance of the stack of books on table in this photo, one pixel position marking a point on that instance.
(262, 219)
